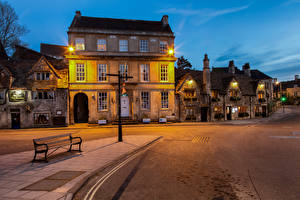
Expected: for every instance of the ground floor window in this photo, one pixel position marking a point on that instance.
(102, 101)
(41, 118)
(145, 99)
(242, 109)
(164, 100)
(43, 94)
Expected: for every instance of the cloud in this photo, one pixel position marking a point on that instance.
(203, 15)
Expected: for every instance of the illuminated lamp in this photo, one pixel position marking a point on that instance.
(71, 49)
(170, 51)
(234, 84)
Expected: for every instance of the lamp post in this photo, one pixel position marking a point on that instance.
(120, 77)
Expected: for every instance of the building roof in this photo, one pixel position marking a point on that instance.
(84, 22)
(57, 51)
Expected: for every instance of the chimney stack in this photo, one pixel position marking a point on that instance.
(296, 77)
(165, 20)
(78, 14)
(231, 67)
(246, 69)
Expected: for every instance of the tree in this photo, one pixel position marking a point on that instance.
(10, 30)
(183, 63)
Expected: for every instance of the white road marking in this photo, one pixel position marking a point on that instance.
(285, 137)
(286, 127)
(91, 193)
(296, 133)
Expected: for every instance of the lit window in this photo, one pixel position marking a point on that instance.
(164, 100)
(164, 73)
(80, 72)
(124, 71)
(79, 44)
(214, 94)
(189, 93)
(242, 109)
(41, 118)
(145, 100)
(101, 45)
(233, 93)
(163, 47)
(261, 95)
(42, 76)
(144, 72)
(102, 70)
(102, 101)
(143, 45)
(123, 45)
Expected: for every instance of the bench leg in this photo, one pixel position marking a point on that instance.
(46, 156)
(70, 149)
(34, 157)
(79, 147)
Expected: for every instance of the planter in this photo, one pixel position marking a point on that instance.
(146, 120)
(102, 121)
(162, 120)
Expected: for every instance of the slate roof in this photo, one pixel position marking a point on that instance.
(255, 74)
(57, 51)
(119, 24)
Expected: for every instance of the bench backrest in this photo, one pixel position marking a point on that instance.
(51, 139)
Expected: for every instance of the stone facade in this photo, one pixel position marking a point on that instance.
(33, 91)
(223, 93)
(136, 48)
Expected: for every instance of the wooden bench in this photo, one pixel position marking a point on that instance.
(43, 145)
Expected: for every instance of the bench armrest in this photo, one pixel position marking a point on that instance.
(72, 138)
(38, 145)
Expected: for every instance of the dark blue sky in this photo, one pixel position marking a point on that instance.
(264, 33)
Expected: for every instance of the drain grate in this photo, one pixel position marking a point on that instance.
(200, 139)
(54, 181)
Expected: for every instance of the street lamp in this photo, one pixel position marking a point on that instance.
(120, 77)
(171, 52)
(71, 49)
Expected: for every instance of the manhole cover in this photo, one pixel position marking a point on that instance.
(54, 181)
(200, 139)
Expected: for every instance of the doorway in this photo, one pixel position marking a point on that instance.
(81, 108)
(15, 120)
(228, 112)
(204, 111)
(124, 106)
(264, 111)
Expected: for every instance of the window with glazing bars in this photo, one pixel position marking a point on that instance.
(102, 70)
(163, 47)
(144, 72)
(79, 44)
(102, 101)
(164, 100)
(143, 45)
(145, 100)
(80, 72)
(124, 71)
(164, 73)
(123, 45)
(101, 45)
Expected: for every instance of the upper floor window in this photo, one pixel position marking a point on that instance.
(101, 45)
(143, 45)
(80, 72)
(102, 101)
(43, 94)
(164, 73)
(144, 72)
(102, 70)
(163, 47)
(164, 99)
(214, 94)
(123, 45)
(145, 100)
(234, 93)
(2, 95)
(261, 95)
(124, 71)
(42, 76)
(79, 44)
(189, 93)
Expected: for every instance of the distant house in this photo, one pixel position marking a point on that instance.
(291, 89)
(223, 93)
(33, 90)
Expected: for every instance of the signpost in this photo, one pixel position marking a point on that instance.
(283, 100)
(120, 78)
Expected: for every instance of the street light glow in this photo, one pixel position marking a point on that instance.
(171, 52)
(71, 49)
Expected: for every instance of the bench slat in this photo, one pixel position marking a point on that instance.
(51, 137)
(58, 141)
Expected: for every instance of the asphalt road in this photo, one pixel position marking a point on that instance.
(242, 161)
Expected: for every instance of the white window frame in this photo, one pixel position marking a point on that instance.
(43, 95)
(102, 70)
(36, 115)
(123, 45)
(102, 101)
(144, 45)
(42, 76)
(163, 46)
(80, 44)
(145, 72)
(145, 100)
(164, 73)
(80, 72)
(164, 100)
(124, 70)
(101, 45)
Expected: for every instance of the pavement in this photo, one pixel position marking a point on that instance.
(65, 172)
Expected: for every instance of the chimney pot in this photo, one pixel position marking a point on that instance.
(296, 77)
(78, 13)
(165, 20)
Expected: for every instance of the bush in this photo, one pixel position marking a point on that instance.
(244, 114)
(219, 116)
(235, 98)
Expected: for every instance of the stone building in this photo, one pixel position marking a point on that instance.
(290, 89)
(33, 90)
(137, 48)
(223, 93)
